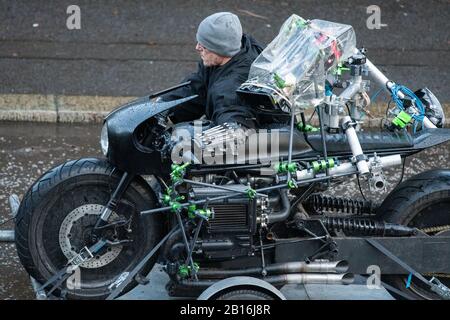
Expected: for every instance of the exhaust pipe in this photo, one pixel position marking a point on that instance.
(283, 279)
(317, 266)
(311, 278)
(284, 211)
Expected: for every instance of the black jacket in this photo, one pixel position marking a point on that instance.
(216, 87)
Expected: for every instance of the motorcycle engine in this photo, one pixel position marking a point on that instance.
(229, 233)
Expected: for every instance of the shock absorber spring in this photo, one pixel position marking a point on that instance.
(319, 204)
(367, 227)
(352, 226)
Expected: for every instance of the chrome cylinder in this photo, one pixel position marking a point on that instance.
(355, 146)
(349, 168)
(311, 278)
(6, 235)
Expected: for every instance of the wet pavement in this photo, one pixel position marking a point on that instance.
(27, 150)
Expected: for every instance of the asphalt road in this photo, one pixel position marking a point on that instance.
(131, 48)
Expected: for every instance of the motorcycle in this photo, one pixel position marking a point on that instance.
(209, 202)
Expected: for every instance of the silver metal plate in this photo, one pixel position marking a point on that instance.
(65, 230)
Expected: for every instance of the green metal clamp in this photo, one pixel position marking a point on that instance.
(306, 128)
(185, 271)
(322, 165)
(340, 69)
(251, 193)
(292, 184)
(178, 172)
(402, 119)
(203, 213)
(284, 167)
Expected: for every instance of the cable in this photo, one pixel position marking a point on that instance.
(348, 110)
(268, 246)
(416, 101)
(303, 196)
(312, 115)
(388, 107)
(376, 94)
(403, 173)
(360, 189)
(385, 119)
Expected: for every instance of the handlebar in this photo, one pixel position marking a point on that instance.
(388, 85)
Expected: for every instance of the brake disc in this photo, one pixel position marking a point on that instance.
(78, 221)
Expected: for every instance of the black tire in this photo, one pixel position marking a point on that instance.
(244, 294)
(422, 201)
(72, 185)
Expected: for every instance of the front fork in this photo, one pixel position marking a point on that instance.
(113, 202)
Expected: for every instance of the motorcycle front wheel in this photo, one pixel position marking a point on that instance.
(56, 218)
(422, 202)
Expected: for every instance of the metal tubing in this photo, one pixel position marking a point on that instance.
(319, 266)
(291, 141)
(140, 265)
(388, 84)
(380, 77)
(348, 168)
(185, 240)
(213, 200)
(6, 235)
(14, 204)
(311, 278)
(284, 212)
(355, 146)
(322, 136)
(296, 278)
(40, 294)
(221, 187)
(351, 90)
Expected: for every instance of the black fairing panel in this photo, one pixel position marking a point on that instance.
(124, 151)
(376, 141)
(369, 141)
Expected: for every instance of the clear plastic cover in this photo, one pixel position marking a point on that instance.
(294, 66)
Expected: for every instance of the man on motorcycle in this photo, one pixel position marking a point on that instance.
(226, 56)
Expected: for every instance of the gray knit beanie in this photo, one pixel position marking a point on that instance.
(221, 33)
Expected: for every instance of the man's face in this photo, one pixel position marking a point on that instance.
(210, 59)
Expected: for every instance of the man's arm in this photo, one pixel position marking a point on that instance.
(229, 108)
(193, 109)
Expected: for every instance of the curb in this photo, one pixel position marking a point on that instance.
(57, 108)
(92, 109)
